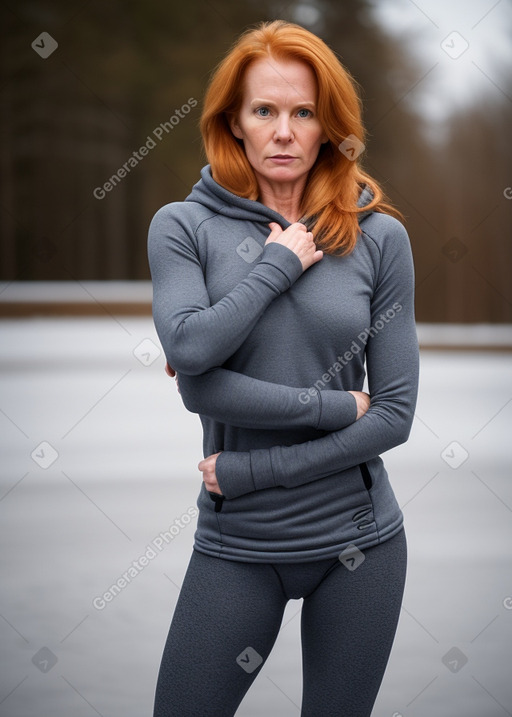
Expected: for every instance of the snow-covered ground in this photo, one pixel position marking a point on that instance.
(99, 458)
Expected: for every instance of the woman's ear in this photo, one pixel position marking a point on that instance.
(235, 127)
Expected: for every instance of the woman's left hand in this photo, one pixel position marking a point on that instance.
(207, 467)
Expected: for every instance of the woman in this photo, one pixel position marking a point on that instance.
(278, 276)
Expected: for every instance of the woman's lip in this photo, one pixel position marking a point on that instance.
(282, 159)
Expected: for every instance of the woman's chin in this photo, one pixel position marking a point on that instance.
(285, 174)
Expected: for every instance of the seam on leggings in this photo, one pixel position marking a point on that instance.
(280, 580)
(337, 562)
(327, 572)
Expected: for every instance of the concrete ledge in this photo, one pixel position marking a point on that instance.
(75, 298)
(465, 336)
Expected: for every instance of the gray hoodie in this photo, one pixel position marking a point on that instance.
(266, 355)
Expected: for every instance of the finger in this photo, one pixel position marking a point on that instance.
(274, 234)
(169, 370)
(275, 229)
(301, 226)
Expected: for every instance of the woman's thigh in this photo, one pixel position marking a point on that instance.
(348, 626)
(225, 623)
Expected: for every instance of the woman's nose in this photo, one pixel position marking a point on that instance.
(283, 131)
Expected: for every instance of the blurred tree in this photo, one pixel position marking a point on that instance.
(470, 258)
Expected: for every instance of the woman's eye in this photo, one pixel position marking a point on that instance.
(263, 111)
(304, 113)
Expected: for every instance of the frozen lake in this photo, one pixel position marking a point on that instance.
(99, 457)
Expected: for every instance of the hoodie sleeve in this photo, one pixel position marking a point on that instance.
(392, 358)
(195, 335)
(246, 402)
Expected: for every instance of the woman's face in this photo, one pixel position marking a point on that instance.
(277, 120)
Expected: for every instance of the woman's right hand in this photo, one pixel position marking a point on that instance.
(172, 373)
(363, 402)
(297, 238)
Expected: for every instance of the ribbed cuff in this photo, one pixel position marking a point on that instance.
(283, 266)
(233, 471)
(261, 469)
(337, 410)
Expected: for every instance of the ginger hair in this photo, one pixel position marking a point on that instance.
(334, 182)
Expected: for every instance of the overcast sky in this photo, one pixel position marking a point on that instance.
(463, 49)
(465, 46)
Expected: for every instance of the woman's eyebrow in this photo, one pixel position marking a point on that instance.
(258, 101)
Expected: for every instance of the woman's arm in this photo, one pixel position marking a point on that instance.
(246, 402)
(392, 365)
(195, 335)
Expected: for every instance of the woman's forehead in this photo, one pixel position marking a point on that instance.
(278, 78)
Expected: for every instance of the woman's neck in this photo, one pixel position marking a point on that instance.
(284, 199)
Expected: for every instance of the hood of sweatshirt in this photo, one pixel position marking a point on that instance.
(212, 195)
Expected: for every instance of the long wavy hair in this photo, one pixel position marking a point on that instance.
(334, 183)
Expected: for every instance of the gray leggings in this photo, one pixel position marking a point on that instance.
(229, 613)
